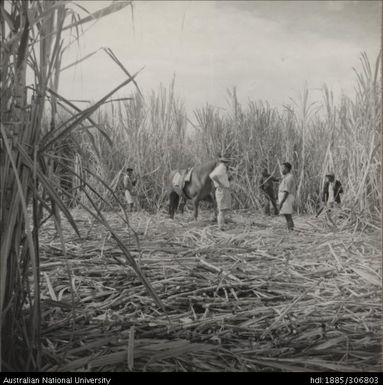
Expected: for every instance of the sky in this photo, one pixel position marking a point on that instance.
(266, 49)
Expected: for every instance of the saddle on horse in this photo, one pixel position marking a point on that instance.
(181, 177)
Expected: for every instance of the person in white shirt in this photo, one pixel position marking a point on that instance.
(129, 181)
(220, 178)
(286, 195)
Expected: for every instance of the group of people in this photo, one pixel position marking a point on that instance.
(330, 196)
(283, 204)
(286, 193)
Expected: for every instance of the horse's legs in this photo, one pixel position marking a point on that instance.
(182, 205)
(173, 203)
(195, 205)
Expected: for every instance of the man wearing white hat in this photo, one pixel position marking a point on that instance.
(220, 178)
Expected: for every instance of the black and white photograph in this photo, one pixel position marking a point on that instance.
(191, 186)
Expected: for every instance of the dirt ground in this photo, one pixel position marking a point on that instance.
(251, 298)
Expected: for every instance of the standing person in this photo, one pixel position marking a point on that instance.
(267, 186)
(129, 182)
(331, 195)
(286, 195)
(220, 178)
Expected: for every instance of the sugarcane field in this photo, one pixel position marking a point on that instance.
(191, 186)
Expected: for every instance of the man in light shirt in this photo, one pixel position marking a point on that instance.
(129, 181)
(286, 194)
(220, 178)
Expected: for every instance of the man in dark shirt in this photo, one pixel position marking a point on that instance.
(267, 186)
(331, 190)
(331, 196)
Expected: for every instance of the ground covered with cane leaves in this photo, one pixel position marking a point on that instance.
(251, 298)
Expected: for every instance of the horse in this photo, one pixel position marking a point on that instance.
(194, 184)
